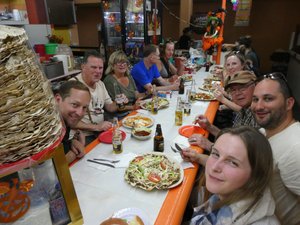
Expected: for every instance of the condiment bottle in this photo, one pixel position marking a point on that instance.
(117, 137)
(178, 113)
(158, 140)
(154, 101)
(181, 87)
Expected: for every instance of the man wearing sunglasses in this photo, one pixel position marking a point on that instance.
(272, 106)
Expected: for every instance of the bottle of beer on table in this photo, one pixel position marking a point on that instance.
(116, 137)
(181, 87)
(178, 112)
(158, 140)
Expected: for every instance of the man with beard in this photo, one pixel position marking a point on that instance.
(72, 100)
(272, 106)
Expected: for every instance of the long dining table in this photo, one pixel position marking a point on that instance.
(102, 193)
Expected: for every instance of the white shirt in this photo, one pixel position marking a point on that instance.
(285, 184)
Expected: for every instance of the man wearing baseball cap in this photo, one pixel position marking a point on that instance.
(240, 86)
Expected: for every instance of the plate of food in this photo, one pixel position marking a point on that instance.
(137, 121)
(141, 133)
(154, 171)
(207, 87)
(128, 216)
(201, 96)
(213, 77)
(187, 77)
(162, 103)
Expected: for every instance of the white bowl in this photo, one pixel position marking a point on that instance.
(141, 137)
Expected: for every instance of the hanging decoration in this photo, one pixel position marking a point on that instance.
(105, 4)
(112, 17)
(139, 3)
(136, 17)
(235, 4)
(117, 28)
(213, 26)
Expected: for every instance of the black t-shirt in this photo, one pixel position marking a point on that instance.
(66, 142)
(184, 42)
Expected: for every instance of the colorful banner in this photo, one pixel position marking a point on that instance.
(242, 17)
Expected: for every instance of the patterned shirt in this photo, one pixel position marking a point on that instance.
(245, 117)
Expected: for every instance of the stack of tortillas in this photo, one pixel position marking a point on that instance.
(29, 119)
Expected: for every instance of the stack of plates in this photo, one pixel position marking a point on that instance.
(29, 120)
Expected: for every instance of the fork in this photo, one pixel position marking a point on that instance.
(107, 160)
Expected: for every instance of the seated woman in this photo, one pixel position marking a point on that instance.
(119, 81)
(234, 62)
(165, 67)
(237, 173)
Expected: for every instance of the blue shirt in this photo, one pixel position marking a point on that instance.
(143, 76)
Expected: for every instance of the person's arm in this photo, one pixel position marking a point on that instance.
(166, 86)
(199, 140)
(191, 155)
(103, 126)
(221, 98)
(205, 124)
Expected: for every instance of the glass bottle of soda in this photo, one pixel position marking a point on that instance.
(116, 137)
(158, 140)
(178, 112)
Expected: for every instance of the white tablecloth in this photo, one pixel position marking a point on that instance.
(101, 193)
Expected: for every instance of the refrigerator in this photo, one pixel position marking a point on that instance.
(129, 25)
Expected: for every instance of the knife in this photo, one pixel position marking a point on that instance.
(178, 147)
(101, 163)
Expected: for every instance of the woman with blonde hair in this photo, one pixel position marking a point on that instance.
(119, 81)
(238, 172)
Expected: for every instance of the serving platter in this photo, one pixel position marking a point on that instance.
(139, 120)
(202, 96)
(162, 103)
(154, 171)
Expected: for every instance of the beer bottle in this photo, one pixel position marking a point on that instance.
(158, 140)
(178, 113)
(181, 86)
(116, 137)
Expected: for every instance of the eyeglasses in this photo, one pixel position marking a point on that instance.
(241, 88)
(273, 76)
(121, 63)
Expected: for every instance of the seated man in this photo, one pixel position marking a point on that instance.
(145, 72)
(240, 86)
(93, 121)
(72, 100)
(272, 105)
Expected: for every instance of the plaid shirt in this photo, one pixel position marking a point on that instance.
(245, 118)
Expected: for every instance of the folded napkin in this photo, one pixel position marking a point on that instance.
(124, 158)
(143, 111)
(183, 143)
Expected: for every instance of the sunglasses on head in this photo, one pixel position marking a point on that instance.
(274, 76)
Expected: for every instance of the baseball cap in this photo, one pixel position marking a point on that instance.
(241, 77)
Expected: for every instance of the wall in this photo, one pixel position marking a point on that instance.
(170, 25)
(88, 17)
(271, 25)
